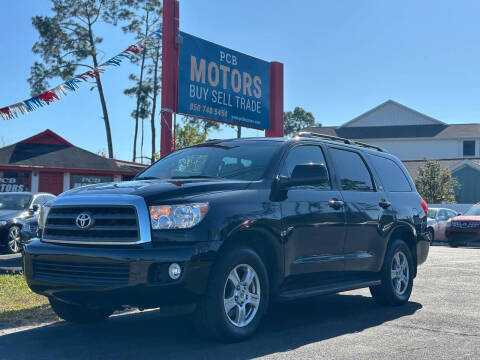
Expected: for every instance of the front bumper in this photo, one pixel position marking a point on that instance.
(90, 275)
(455, 237)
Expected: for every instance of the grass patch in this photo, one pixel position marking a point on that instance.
(20, 306)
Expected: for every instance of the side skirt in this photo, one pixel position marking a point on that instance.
(326, 289)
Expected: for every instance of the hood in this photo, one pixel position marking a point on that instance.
(10, 214)
(160, 189)
(465, 218)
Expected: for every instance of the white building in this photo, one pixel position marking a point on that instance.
(413, 136)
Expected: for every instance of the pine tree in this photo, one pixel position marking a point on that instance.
(435, 183)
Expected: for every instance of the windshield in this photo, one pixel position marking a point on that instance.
(432, 213)
(230, 160)
(473, 211)
(14, 201)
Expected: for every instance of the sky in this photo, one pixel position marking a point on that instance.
(341, 58)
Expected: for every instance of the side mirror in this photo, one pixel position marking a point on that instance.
(35, 208)
(310, 174)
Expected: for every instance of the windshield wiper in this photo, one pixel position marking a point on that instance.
(147, 178)
(197, 177)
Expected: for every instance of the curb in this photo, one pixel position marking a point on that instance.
(11, 271)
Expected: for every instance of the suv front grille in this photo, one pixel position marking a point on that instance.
(109, 224)
(81, 273)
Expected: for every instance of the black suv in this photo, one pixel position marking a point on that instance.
(231, 225)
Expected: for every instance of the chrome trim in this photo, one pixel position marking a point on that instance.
(329, 258)
(108, 199)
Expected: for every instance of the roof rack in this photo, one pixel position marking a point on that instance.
(339, 139)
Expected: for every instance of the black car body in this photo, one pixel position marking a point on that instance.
(15, 209)
(312, 217)
(30, 229)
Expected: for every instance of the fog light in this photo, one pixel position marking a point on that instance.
(174, 271)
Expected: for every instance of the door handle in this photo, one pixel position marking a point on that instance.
(335, 203)
(384, 203)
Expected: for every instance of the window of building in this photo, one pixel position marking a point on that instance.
(82, 180)
(393, 178)
(14, 181)
(352, 171)
(469, 148)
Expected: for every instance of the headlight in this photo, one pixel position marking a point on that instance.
(181, 216)
(3, 223)
(42, 217)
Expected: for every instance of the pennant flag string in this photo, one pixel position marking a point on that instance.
(71, 85)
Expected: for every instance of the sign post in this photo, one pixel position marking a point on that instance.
(169, 73)
(276, 100)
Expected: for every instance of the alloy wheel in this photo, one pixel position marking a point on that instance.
(241, 295)
(400, 273)
(14, 239)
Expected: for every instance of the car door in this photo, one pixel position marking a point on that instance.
(443, 215)
(313, 220)
(365, 207)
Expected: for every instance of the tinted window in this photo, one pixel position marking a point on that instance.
(451, 214)
(473, 211)
(303, 155)
(432, 213)
(442, 215)
(40, 200)
(469, 148)
(351, 170)
(393, 178)
(14, 201)
(233, 160)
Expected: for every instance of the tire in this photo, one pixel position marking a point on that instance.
(211, 318)
(389, 292)
(431, 235)
(79, 313)
(13, 240)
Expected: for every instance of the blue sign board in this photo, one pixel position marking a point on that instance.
(221, 84)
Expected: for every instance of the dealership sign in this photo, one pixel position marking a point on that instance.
(221, 84)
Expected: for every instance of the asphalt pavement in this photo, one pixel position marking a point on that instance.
(441, 321)
(10, 264)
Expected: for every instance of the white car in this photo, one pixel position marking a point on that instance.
(437, 222)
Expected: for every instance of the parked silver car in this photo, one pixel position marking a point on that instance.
(437, 222)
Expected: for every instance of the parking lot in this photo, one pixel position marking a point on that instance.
(441, 321)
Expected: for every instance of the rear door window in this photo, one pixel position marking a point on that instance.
(351, 170)
(391, 175)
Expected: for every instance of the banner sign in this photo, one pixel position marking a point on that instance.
(221, 84)
(55, 94)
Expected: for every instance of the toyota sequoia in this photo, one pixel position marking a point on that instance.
(231, 226)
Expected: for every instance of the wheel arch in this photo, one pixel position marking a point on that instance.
(266, 245)
(408, 235)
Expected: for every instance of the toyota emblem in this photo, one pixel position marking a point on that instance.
(84, 221)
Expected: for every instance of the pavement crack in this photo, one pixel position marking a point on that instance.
(434, 330)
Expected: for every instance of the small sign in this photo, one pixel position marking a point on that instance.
(221, 84)
(83, 180)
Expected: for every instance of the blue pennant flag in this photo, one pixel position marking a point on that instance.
(33, 103)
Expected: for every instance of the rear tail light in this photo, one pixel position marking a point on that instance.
(424, 206)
